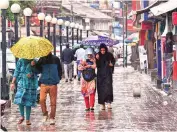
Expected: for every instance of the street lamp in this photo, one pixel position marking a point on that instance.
(77, 27)
(4, 4)
(87, 28)
(27, 12)
(41, 17)
(72, 25)
(60, 23)
(67, 23)
(81, 28)
(48, 20)
(54, 22)
(15, 9)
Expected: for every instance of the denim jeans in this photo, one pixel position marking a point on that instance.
(79, 72)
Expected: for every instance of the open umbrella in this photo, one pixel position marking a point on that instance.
(32, 47)
(97, 40)
(133, 38)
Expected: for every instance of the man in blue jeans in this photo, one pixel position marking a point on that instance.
(80, 55)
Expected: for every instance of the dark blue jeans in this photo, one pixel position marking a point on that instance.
(79, 72)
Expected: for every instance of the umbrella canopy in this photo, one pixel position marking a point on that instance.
(76, 45)
(133, 38)
(97, 40)
(32, 47)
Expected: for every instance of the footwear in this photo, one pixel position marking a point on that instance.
(66, 80)
(52, 121)
(28, 122)
(70, 80)
(45, 118)
(102, 106)
(92, 109)
(87, 109)
(109, 106)
(21, 120)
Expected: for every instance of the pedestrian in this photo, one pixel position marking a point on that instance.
(105, 63)
(88, 79)
(67, 59)
(168, 54)
(51, 74)
(75, 63)
(80, 55)
(25, 77)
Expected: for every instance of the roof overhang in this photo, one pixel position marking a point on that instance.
(164, 7)
(147, 9)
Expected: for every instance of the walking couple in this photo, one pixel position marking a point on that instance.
(104, 62)
(25, 76)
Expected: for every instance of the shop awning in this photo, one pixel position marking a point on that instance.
(164, 7)
(147, 9)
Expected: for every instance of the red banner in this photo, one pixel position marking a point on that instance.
(146, 25)
(142, 37)
(174, 18)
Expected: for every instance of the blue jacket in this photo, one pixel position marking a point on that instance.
(50, 69)
(67, 56)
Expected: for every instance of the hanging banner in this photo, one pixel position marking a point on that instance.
(146, 25)
(142, 37)
(174, 18)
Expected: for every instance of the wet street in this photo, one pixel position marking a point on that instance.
(147, 113)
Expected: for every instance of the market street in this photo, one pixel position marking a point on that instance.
(128, 113)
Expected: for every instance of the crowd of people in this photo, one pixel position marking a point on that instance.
(93, 68)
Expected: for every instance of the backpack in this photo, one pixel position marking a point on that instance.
(89, 73)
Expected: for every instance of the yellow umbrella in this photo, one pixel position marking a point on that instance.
(32, 47)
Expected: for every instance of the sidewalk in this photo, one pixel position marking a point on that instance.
(129, 114)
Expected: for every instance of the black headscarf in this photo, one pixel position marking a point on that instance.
(103, 58)
(102, 45)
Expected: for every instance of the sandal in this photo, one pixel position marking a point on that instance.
(28, 122)
(21, 120)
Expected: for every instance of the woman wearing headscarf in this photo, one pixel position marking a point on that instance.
(27, 83)
(88, 79)
(168, 49)
(105, 63)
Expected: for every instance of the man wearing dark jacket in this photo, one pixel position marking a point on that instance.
(67, 57)
(51, 74)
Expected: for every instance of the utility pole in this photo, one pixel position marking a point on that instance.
(126, 10)
(123, 31)
(72, 15)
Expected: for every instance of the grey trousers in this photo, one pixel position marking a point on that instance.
(68, 70)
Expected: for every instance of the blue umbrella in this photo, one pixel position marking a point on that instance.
(97, 40)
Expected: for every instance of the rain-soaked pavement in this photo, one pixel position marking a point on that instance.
(147, 113)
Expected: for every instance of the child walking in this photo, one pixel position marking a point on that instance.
(88, 79)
